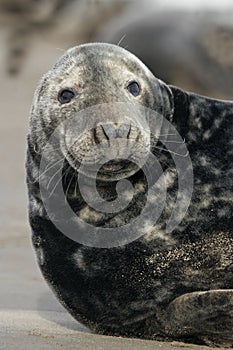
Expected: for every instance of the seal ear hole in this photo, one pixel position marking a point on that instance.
(134, 88)
(65, 95)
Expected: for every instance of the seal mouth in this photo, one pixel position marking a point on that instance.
(117, 169)
(111, 170)
(115, 166)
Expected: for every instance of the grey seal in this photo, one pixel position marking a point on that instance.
(164, 285)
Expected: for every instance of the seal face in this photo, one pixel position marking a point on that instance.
(99, 113)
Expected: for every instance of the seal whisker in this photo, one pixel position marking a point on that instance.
(76, 183)
(167, 140)
(60, 49)
(172, 152)
(47, 169)
(66, 173)
(69, 184)
(120, 41)
(52, 177)
(75, 187)
(167, 135)
(60, 179)
(173, 141)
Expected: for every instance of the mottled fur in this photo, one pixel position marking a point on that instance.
(131, 290)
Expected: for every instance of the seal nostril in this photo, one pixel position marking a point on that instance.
(111, 131)
(95, 136)
(105, 133)
(129, 132)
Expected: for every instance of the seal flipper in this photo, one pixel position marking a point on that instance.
(205, 316)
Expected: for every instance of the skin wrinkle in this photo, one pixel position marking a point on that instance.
(149, 287)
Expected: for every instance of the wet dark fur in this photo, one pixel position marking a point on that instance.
(127, 290)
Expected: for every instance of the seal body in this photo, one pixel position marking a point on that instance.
(162, 285)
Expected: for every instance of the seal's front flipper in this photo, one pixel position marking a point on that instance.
(205, 316)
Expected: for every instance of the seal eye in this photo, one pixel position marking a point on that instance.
(134, 88)
(65, 95)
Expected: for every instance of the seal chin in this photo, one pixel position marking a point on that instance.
(112, 170)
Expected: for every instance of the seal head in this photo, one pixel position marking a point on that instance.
(117, 82)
